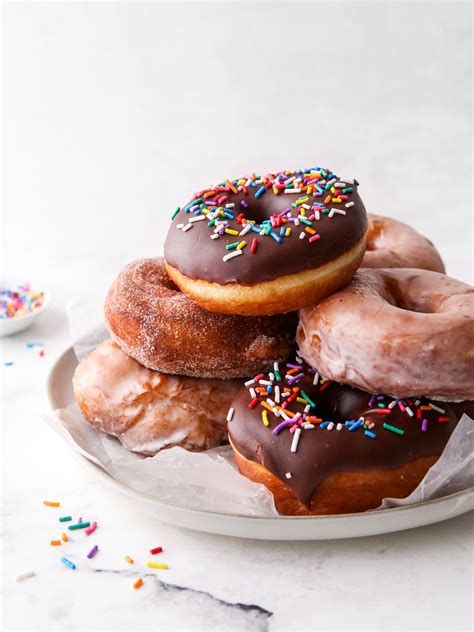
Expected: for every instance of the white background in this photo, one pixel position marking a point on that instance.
(113, 114)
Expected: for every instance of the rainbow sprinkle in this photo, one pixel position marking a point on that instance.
(19, 301)
(274, 395)
(317, 191)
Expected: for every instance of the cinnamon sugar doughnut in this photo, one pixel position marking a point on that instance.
(403, 332)
(393, 244)
(270, 244)
(324, 448)
(149, 411)
(155, 323)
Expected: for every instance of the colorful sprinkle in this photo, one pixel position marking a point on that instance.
(93, 551)
(159, 566)
(68, 563)
(138, 584)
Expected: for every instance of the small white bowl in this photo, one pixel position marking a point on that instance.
(9, 326)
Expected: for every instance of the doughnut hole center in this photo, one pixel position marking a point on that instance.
(404, 300)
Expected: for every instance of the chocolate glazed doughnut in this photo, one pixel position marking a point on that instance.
(155, 323)
(393, 244)
(267, 244)
(335, 449)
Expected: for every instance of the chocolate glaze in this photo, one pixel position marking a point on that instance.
(198, 257)
(321, 452)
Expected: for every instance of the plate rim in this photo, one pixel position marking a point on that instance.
(152, 500)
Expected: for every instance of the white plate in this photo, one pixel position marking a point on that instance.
(282, 528)
(9, 326)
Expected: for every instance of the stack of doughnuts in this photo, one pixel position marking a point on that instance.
(327, 346)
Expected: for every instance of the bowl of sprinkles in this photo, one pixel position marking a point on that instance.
(20, 304)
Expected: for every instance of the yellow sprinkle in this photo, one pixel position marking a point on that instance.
(128, 559)
(310, 230)
(265, 418)
(231, 231)
(156, 565)
(301, 400)
(302, 211)
(333, 190)
(310, 189)
(138, 583)
(64, 537)
(242, 245)
(336, 200)
(302, 201)
(288, 232)
(275, 190)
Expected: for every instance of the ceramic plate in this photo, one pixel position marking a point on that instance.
(282, 528)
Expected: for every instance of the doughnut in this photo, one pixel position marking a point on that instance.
(393, 244)
(153, 322)
(147, 410)
(324, 448)
(403, 332)
(262, 245)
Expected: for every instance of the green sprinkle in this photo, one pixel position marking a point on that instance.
(277, 376)
(81, 525)
(394, 429)
(232, 246)
(65, 519)
(305, 221)
(348, 190)
(324, 173)
(269, 229)
(175, 213)
(304, 396)
(212, 222)
(381, 405)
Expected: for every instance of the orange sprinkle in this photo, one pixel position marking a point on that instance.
(309, 230)
(285, 410)
(291, 371)
(55, 542)
(64, 537)
(50, 503)
(231, 186)
(128, 559)
(209, 194)
(327, 199)
(138, 583)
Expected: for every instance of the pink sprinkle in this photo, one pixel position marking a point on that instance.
(91, 529)
(401, 406)
(314, 238)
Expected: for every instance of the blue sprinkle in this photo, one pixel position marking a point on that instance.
(260, 192)
(269, 389)
(275, 237)
(68, 563)
(282, 231)
(8, 363)
(372, 435)
(325, 424)
(356, 425)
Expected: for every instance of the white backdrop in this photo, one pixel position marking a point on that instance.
(115, 113)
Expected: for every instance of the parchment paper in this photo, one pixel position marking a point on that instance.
(209, 480)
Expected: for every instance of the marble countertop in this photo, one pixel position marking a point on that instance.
(111, 114)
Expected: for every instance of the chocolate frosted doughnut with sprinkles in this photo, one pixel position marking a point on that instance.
(324, 448)
(267, 244)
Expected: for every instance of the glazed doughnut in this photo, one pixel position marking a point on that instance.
(261, 245)
(146, 410)
(324, 448)
(403, 332)
(393, 244)
(155, 323)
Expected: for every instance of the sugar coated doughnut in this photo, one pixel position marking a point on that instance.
(403, 332)
(393, 244)
(147, 410)
(260, 245)
(158, 325)
(324, 448)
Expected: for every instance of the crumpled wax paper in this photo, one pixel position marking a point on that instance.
(210, 480)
